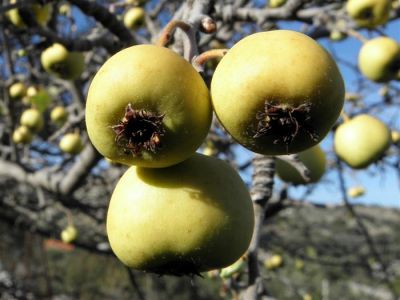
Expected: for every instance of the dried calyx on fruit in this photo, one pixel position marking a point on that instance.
(139, 130)
(160, 111)
(277, 92)
(283, 122)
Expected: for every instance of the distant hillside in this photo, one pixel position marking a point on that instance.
(324, 255)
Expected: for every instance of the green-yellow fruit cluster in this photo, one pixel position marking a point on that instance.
(42, 13)
(178, 212)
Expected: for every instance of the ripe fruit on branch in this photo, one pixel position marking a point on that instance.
(277, 92)
(69, 234)
(33, 119)
(17, 90)
(182, 220)
(38, 97)
(147, 106)
(369, 13)
(42, 14)
(71, 143)
(22, 135)
(379, 59)
(356, 191)
(274, 262)
(134, 17)
(276, 3)
(59, 61)
(395, 135)
(313, 158)
(361, 141)
(58, 115)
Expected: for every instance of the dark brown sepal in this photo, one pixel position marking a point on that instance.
(284, 122)
(139, 130)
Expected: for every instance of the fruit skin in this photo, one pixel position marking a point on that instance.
(134, 17)
(69, 234)
(71, 143)
(17, 90)
(58, 115)
(156, 79)
(369, 13)
(278, 67)
(57, 60)
(313, 158)
(361, 141)
(276, 3)
(395, 135)
(379, 59)
(38, 97)
(22, 135)
(33, 119)
(356, 191)
(42, 14)
(192, 217)
(274, 262)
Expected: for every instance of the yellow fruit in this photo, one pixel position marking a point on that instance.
(379, 59)
(189, 218)
(42, 13)
(356, 191)
(71, 143)
(273, 262)
(69, 234)
(22, 135)
(33, 119)
(147, 106)
(277, 92)
(134, 17)
(361, 141)
(395, 136)
(17, 90)
(307, 297)
(313, 158)
(57, 60)
(64, 9)
(299, 264)
(336, 35)
(276, 3)
(58, 115)
(369, 13)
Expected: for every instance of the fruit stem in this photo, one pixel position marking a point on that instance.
(168, 30)
(356, 35)
(200, 60)
(69, 218)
